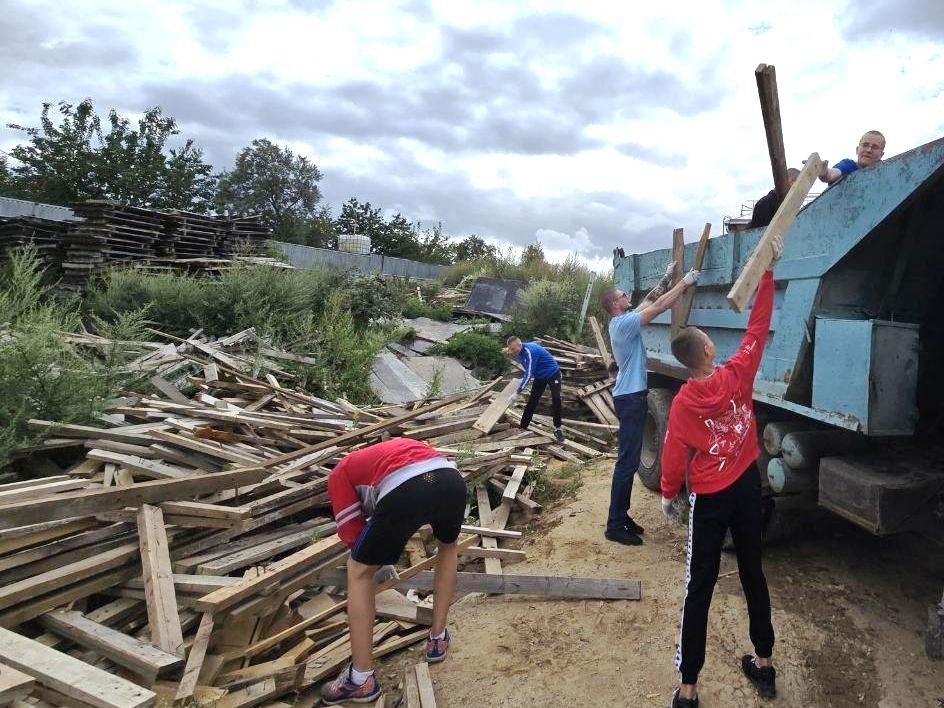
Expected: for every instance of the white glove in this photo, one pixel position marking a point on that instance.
(385, 573)
(691, 277)
(776, 247)
(669, 269)
(667, 509)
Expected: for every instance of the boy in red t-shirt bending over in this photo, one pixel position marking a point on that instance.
(380, 496)
(712, 435)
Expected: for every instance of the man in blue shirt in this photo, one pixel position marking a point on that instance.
(869, 152)
(630, 391)
(543, 368)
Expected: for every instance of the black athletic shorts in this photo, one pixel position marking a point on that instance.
(436, 498)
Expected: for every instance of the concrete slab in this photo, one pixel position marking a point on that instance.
(453, 377)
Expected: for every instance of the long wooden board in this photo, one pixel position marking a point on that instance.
(760, 260)
(497, 408)
(72, 504)
(69, 676)
(160, 596)
(141, 657)
(684, 303)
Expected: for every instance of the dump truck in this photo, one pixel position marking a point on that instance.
(849, 397)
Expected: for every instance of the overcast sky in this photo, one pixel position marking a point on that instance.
(581, 125)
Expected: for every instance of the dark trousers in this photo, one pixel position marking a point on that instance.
(631, 411)
(537, 390)
(739, 508)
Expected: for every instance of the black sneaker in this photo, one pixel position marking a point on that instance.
(763, 677)
(679, 702)
(559, 435)
(624, 536)
(633, 527)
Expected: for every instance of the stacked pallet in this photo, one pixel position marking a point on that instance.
(43, 235)
(244, 235)
(190, 553)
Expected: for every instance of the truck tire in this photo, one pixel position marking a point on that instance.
(650, 461)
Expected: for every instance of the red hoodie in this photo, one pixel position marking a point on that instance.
(362, 478)
(711, 428)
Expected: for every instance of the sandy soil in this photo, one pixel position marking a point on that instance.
(849, 609)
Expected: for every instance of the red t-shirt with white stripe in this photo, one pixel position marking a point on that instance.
(365, 476)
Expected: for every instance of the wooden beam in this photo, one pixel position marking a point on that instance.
(601, 342)
(505, 554)
(161, 599)
(678, 255)
(93, 501)
(497, 408)
(195, 659)
(143, 658)
(760, 260)
(14, 685)
(425, 685)
(766, 77)
(684, 303)
(225, 598)
(544, 585)
(69, 676)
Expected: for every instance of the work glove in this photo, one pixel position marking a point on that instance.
(667, 508)
(776, 247)
(669, 269)
(385, 573)
(691, 277)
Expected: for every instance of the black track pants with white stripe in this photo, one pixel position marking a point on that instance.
(738, 507)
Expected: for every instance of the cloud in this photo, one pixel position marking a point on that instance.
(867, 19)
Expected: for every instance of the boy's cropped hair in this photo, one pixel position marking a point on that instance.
(686, 346)
(511, 339)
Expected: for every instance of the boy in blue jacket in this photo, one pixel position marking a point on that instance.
(543, 368)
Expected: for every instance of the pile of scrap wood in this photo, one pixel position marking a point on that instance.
(189, 551)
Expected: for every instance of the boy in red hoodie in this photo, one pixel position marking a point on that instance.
(381, 495)
(713, 436)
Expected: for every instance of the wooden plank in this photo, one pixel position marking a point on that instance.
(678, 255)
(195, 659)
(142, 657)
(411, 690)
(766, 77)
(168, 389)
(760, 260)
(14, 685)
(93, 501)
(684, 303)
(514, 484)
(491, 532)
(505, 554)
(425, 685)
(69, 676)
(492, 565)
(391, 604)
(37, 490)
(212, 511)
(497, 408)
(140, 465)
(160, 596)
(544, 585)
(601, 342)
(225, 598)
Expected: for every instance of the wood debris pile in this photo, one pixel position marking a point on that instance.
(191, 552)
(107, 233)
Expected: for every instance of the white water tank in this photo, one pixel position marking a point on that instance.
(354, 243)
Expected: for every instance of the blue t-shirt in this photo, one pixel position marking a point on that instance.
(629, 353)
(537, 362)
(847, 166)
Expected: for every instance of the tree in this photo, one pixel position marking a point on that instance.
(76, 160)
(532, 255)
(435, 246)
(8, 186)
(275, 182)
(357, 218)
(473, 248)
(322, 230)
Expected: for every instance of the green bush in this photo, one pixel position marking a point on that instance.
(545, 308)
(413, 308)
(42, 375)
(479, 351)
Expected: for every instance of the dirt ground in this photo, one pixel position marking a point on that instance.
(849, 609)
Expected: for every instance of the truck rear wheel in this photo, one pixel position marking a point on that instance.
(657, 418)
